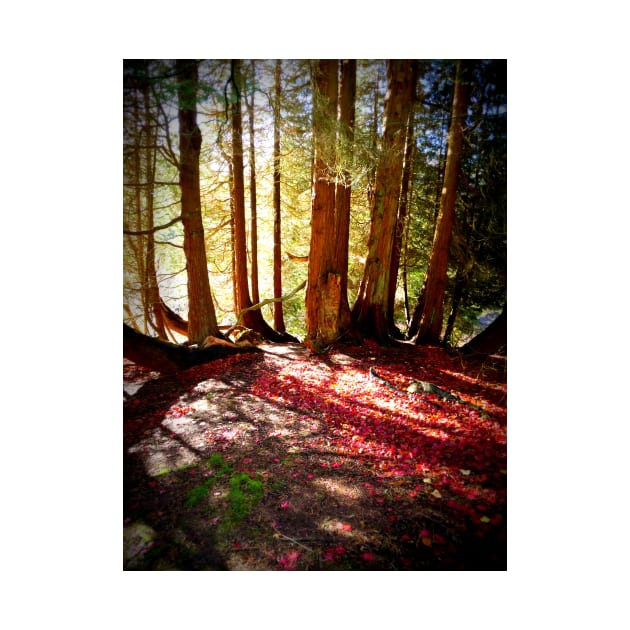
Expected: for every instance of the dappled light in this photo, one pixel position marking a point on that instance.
(314, 314)
(352, 474)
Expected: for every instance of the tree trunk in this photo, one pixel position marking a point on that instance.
(371, 179)
(324, 284)
(201, 316)
(461, 280)
(370, 308)
(136, 243)
(153, 291)
(166, 357)
(253, 318)
(343, 190)
(492, 340)
(430, 326)
(173, 320)
(278, 313)
(252, 190)
(401, 220)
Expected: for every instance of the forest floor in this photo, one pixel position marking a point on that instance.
(283, 460)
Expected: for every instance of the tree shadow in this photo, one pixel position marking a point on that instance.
(284, 440)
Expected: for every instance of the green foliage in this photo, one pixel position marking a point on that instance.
(479, 243)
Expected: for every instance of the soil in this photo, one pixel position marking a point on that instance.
(237, 465)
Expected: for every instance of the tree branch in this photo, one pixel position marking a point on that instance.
(153, 229)
(295, 258)
(258, 306)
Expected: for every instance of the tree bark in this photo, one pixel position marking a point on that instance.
(252, 190)
(173, 320)
(401, 220)
(430, 326)
(343, 190)
(461, 280)
(492, 340)
(253, 318)
(370, 308)
(162, 356)
(278, 312)
(152, 288)
(201, 316)
(323, 292)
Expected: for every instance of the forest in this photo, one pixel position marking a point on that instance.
(315, 314)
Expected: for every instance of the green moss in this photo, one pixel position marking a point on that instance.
(245, 493)
(198, 493)
(217, 463)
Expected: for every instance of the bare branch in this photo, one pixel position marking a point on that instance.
(154, 229)
(295, 258)
(258, 306)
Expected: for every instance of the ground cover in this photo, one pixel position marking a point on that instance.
(286, 460)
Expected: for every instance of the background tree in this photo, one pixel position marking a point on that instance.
(278, 312)
(401, 220)
(343, 189)
(141, 145)
(279, 234)
(252, 318)
(430, 327)
(201, 315)
(252, 185)
(370, 308)
(479, 246)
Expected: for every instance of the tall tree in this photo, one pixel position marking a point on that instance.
(201, 315)
(347, 95)
(327, 311)
(252, 187)
(141, 141)
(401, 221)
(323, 290)
(252, 318)
(370, 308)
(278, 312)
(153, 290)
(430, 326)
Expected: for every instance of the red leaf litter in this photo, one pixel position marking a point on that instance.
(407, 477)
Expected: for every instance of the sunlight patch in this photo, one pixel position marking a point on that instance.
(340, 488)
(160, 454)
(338, 527)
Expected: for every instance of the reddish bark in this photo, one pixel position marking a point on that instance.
(343, 190)
(322, 292)
(163, 356)
(430, 326)
(252, 319)
(201, 316)
(402, 214)
(370, 308)
(278, 313)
